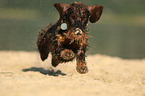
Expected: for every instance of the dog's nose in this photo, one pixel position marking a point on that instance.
(78, 31)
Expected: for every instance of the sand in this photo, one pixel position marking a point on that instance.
(24, 74)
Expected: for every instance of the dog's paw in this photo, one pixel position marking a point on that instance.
(67, 54)
(81, 68)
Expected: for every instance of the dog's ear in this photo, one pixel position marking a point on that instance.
(95, 12)
(61, 8)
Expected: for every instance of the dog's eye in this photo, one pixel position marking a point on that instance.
(63, 26)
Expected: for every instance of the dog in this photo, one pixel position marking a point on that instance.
(68, 37)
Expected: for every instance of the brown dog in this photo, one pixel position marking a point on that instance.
(67, 38)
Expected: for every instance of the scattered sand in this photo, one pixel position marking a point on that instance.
(24, 74)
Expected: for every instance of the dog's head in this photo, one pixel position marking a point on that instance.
(76, 16)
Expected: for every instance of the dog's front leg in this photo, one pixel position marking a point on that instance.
(81, 63)
(56, 54)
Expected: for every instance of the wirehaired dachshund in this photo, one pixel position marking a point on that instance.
(68, 37)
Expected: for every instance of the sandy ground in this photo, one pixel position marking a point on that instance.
(24, 74)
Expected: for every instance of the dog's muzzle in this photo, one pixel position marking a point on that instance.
(78, 32)
(75, 34)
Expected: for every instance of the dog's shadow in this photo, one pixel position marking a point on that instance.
(43, 71)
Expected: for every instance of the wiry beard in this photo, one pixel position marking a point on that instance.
(80, 38)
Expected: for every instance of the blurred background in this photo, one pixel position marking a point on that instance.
(120, 31)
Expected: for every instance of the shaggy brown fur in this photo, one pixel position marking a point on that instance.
(65, 45)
